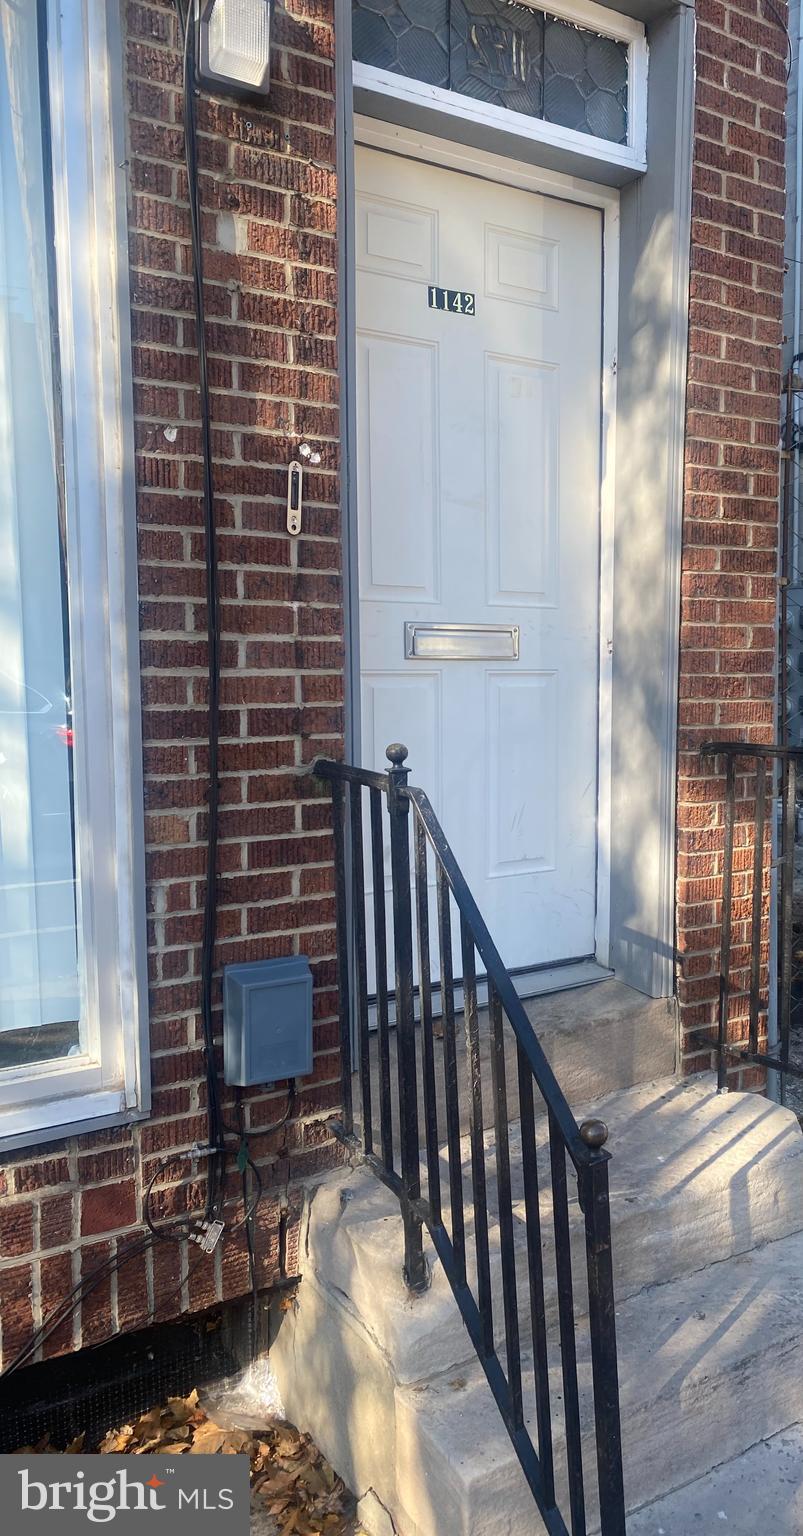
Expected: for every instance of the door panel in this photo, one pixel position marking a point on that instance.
(478, 503)
(398, 474)
(521, 442)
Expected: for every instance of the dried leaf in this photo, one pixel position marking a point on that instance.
(295, 1483)
(208, 1439)
(148, 1424)
(288, 1440)
(240, 1439)
(181, 1409)
(313, 1479)
(111, 1443)
(279, 1483)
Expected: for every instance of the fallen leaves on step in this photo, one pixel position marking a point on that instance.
(299, 1489)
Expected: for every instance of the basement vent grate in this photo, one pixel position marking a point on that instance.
(98, 1389)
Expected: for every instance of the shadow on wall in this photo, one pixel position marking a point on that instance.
(649, 497)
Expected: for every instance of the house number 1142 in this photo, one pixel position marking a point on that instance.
(456, 300)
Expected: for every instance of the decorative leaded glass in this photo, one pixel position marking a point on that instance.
(504, 52)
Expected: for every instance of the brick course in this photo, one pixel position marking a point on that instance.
(727, 656)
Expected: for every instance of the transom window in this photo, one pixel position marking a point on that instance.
(502, 52)
(579, 71)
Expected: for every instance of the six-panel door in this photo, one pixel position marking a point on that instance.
(478, 506)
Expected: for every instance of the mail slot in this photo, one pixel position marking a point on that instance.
(461, 642)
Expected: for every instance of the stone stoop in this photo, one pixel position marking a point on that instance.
(596, 1039)
(761, 1490)
(707, 1218)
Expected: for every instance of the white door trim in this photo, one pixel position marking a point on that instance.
(414, 145)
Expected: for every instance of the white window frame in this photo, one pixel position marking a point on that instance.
(631, 156)
(110, 1080)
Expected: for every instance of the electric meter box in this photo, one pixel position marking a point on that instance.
(267, 1021)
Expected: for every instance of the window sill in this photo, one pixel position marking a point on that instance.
(58, 1118)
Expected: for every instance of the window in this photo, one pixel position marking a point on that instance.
(581, 70)
(39, 989)
(70, 804)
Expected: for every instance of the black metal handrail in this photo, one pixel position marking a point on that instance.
(584, 1143)
(755, 774)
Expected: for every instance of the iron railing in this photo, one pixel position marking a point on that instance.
(758, 778)
(412, 1090)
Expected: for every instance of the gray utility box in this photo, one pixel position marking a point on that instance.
(267, 1021)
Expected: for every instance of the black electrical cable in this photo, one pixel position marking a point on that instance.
(215, 1179)
(79, 1293)
(176, 1227)
(779, 21)
(185, 1280)
(74, 1298)
(244, 1159)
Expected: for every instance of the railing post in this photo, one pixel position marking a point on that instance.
(595, 1203)
(786, 937)
(415, 1269)
(343, 958)
(725, 930)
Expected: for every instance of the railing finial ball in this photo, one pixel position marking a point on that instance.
(594, 1133)
(396, 753)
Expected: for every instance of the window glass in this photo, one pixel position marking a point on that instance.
(503, 52)
(39, 969)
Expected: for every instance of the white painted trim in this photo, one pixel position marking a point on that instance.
(420, 146)
(36, 1122)
(415, 145)
(86, 88)
(47, 1080)
(531, 130)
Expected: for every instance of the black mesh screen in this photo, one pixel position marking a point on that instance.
(100, 1389)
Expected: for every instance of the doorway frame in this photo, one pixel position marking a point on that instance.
(409, 144)
(654, 261)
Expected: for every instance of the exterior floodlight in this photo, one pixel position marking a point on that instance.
(233, 52)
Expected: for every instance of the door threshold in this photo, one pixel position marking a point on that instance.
(559, 978)
(539, 981)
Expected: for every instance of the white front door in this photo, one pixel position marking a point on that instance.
(478, 508)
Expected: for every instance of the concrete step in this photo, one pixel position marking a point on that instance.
(606, 1037)
(709, 1364)
(597, 1039)
(695, 1178)
(761, 1490)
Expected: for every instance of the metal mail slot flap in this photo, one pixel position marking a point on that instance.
(461, 642)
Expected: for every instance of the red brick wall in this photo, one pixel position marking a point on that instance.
(732, 465)
(268, 194)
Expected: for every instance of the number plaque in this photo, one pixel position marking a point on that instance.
(456, 300)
